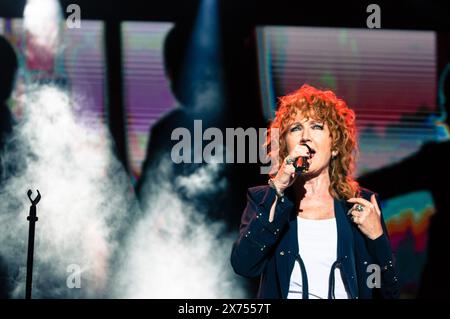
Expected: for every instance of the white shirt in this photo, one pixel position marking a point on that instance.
(317, 241)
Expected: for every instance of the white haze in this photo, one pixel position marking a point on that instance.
(41, 20)
(174, 251)
(85, 198)
(171, 250)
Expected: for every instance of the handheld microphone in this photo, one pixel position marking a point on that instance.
(301, 163)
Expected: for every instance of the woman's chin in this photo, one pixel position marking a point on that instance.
(307, 175)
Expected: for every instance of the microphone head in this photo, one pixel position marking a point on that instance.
(301, 165)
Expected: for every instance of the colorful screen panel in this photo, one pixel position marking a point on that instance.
(147, 91)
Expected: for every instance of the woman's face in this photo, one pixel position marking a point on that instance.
(316, 135)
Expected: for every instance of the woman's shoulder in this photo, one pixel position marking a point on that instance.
(258, 191)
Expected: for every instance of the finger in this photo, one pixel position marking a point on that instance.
(289, 169)
(354, 213)
(373, 200)
(289, 160)
(362, 210)
(355, 219)
(299, 150)
(304, 150)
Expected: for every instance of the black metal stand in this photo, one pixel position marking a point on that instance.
(32, 218)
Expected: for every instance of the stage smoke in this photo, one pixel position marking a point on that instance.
(85, 205)
(175, 251)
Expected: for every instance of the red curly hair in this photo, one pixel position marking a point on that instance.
(326, 107)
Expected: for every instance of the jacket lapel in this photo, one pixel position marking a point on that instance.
(345, 247)
(285, 256)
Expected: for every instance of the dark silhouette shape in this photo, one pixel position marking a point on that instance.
(186, 87)
(241, 98)
(8, 68)
(427, 169)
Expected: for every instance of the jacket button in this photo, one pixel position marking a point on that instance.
(282, 253)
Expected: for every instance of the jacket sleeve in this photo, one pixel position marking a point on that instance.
(380, 250)
(257, 236)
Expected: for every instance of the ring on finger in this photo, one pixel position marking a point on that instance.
(289, 160)
(359, 207)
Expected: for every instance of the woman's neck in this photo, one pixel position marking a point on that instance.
(314, 187)
(318, 186)
(313, 197)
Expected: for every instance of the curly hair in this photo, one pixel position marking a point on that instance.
(326, 107)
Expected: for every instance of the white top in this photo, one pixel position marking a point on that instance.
(317, 241)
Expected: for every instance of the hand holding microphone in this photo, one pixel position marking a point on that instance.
(293, 165)
(301, 162)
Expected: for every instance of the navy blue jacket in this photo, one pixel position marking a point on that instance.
(269, 249)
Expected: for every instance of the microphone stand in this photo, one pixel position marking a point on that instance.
(32, 218)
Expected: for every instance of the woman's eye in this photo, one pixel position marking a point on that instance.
(317, 127)
(295, 128)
